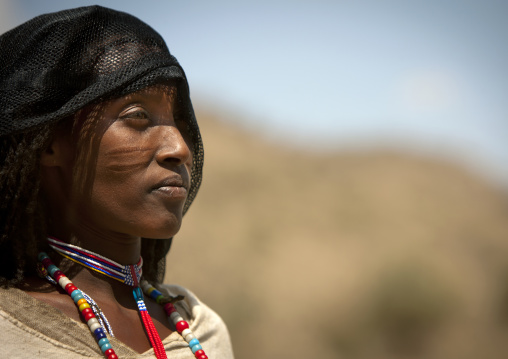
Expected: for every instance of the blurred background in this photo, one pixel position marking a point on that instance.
(355, 194)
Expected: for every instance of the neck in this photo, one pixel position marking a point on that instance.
(118, 247)
(122, 249)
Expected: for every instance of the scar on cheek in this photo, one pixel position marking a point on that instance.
(126, 159)
(125, 167)
(127, 150)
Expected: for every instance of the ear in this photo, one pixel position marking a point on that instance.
(57, 153)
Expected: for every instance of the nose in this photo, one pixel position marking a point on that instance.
(173, 148)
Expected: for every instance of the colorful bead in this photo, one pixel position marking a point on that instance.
(149, 291)
(42, 256)
(193, 342)
(102, 341)
(186, 332)
(99, 334)
(196, 347)
(78, 297)
(114, 356)
(94, 326)
(76, 293)
(169, 308)
(105, 347)
(181, 325)
(154, 294)
(109, 352)
(88, 315)
(63, 281)
(69, 288)
(51, 269)
(81, 301)
(83, 306)
(47, 262)
(58, 274)
(175, 317)
(92, 321)
(202, 356)
(199, 352)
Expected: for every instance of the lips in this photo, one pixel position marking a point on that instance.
(174, 181)
(172, 187)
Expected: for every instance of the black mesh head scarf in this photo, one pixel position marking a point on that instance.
(55, 64)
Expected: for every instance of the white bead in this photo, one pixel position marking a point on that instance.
(189, 337)
(185, 332)
(92, 321)
(64, 281)
(94, 326)
(175, 317)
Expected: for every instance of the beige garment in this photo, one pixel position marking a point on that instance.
(30, 328)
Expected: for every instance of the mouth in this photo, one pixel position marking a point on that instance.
(172, 187)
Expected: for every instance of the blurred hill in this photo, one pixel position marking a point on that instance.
(345, 255)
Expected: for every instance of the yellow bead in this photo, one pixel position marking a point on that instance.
(149, 291)
(81, 301)
(83, 306)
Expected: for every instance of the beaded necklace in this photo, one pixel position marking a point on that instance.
(129, 274)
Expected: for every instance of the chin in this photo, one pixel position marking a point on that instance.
(163, 231)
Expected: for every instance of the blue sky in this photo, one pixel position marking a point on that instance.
(427, 76)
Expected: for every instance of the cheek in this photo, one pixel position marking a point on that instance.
(115, 198)
(119, 170)
(120, 154)
(121, 198)
(119, 179)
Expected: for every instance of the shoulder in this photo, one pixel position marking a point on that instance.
(31, 328)
(205, 323)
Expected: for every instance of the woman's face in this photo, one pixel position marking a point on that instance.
(140, 172)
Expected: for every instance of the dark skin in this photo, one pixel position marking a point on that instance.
(137, 173)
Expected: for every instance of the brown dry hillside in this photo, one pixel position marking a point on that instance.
(345, 255)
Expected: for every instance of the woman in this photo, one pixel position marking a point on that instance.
(101, 156)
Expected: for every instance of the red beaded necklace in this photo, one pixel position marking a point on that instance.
(49, 270)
